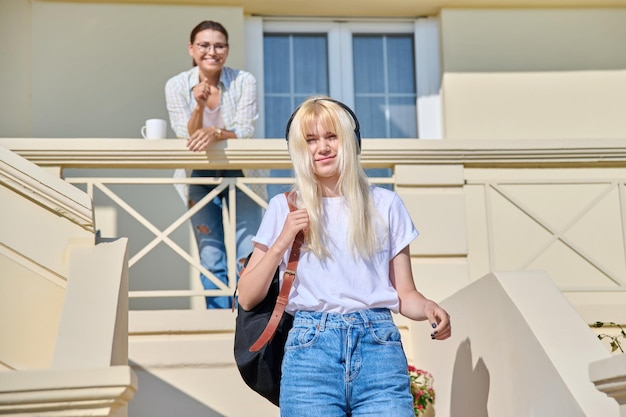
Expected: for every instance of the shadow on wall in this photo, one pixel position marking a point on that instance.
(470, 385)
(161, 399)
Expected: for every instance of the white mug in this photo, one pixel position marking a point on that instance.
(154, 129)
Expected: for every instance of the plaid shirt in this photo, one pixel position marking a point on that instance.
(238, 105)
(238, 101)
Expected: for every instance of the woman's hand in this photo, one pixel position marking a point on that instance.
(200, 140)
(201, 92)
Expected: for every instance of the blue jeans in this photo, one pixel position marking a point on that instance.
(339, 365)
(209, 231)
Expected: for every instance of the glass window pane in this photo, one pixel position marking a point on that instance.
(295, 67)
(402, 117)
(384, 85)
(276, 63)
(401, 61)
(368, 64)
(310, 64)
(277, 110)
(372, 118)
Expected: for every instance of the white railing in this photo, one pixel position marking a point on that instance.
(162, 235)
(558, 228)
(490, 177)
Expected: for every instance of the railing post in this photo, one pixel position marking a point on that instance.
(435, 198)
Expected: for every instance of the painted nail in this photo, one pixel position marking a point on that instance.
(434, 325)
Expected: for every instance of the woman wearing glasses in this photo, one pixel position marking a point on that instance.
(209, 103)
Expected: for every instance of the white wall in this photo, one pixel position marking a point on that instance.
(533, 73)
(15, 67)
(99, 70)
(518, 349)
(95, 69)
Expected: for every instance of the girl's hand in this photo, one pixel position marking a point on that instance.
(255, 279)
(439, 321)
(413, 304)
(296, 221)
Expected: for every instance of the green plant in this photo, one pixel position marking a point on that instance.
(614, 339)
(421, 389)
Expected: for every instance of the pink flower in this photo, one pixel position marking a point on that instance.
(421, 389)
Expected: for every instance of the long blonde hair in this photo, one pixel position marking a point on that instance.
(353, 185)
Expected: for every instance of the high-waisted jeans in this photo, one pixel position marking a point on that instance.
(209, 230)
(339, 365)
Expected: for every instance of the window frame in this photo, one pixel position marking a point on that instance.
(340, 60)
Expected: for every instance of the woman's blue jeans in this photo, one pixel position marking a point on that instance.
(208, 228)
(339, 365)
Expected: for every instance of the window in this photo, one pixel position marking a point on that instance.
(294, 67)
(384, 85)
(387, 71)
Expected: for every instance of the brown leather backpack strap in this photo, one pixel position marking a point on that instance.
(283, 296)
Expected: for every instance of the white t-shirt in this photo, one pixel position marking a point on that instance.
(342, 284)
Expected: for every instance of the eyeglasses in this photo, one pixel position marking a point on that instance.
(217, 47)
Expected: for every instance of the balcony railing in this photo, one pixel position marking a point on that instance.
(163, 235)
(498, 182)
